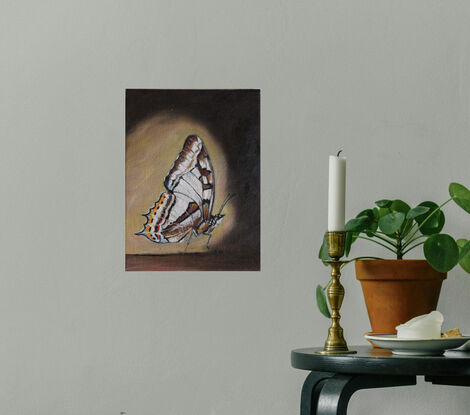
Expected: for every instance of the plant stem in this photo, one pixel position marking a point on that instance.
(384, 239)
(362, 257)
(399, 247)
(409, 241)
(410, 237)
(413, 247)
(407, 228)
(372, 240)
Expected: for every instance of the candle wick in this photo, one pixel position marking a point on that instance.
(339, 152)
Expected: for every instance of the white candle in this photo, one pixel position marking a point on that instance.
(336, 193)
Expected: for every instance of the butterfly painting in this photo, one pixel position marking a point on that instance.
(184, 210)
(192, 176)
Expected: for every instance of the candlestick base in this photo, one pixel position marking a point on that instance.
(341, 351)
(335, 342)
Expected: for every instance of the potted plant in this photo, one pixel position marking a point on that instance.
(396, 290)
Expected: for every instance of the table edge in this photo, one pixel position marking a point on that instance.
(305, 359)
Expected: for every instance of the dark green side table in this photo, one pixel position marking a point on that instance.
(334, 378)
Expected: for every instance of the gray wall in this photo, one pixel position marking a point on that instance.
(387, 81)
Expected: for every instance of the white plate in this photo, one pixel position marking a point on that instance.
(411, 347)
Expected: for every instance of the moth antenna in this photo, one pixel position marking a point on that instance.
(229, 196)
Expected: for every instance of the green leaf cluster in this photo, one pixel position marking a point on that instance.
(399, 228)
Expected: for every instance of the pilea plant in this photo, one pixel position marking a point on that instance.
(398, 228)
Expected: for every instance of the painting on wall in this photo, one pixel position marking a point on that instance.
(192, 180)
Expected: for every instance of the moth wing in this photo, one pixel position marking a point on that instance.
(189, 199)
(185, 215)
(171, 219)
(157, 218)
(192, 175)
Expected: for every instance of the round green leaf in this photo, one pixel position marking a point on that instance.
(442, 252)
(323, 253)
(375, 211)
(321, 302)
(383, 211)
(350, 238)
(417, 211)
(357, 224)
(392, 222)
(464, 254)
(372, 225)
(347, 243)
(384, 203)
(461, 195)
(399, 206)
(372, 228)
(464, 247)
(368, 212)
(435, 223)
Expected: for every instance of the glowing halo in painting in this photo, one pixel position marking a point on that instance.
(192, 180)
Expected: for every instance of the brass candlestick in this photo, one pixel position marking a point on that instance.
(335, 343)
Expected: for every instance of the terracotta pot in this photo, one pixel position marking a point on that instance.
(396, 290)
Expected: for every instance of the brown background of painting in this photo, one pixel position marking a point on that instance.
(157, 122)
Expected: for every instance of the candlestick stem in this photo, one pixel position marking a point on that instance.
(335, 342)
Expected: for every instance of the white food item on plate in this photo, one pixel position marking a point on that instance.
(427, 326)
